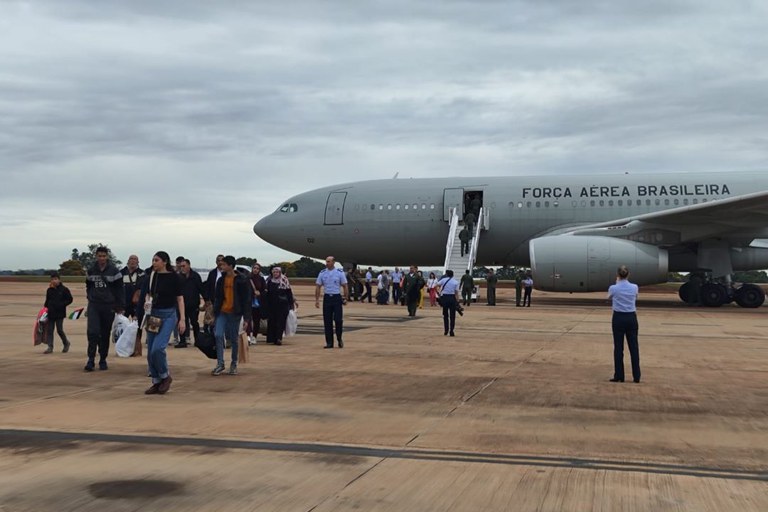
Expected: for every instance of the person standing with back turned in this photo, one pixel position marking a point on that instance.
(623, 295)
(334, 283)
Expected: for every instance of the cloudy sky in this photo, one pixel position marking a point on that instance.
(175, 125)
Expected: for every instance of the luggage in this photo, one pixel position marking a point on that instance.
(206, 343)
(41, 326)
(382, 297)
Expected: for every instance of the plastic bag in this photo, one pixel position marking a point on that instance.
(41, 324)
(291, 323)
(126, 342)
(118, 326)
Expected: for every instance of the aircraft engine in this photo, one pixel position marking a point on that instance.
(568, 263)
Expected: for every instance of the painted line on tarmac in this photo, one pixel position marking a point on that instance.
(12, 438)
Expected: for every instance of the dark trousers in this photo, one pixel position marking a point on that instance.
(396, 291)
(518, 294)
(59, 322)
(492, 295)
(100, 318)
(192, 320)
(332, 313)
(625, 325)
(412, 302)
(449, 312)
(367, 293)
(527, 296)
(466, 296)
(276, 317)
(253, 329)
(464, 248)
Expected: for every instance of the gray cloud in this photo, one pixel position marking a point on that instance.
(199, 111)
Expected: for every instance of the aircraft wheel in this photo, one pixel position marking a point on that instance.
(687, 293)
(750, 296)
(714, 295)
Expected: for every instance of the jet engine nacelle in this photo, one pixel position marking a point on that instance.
(568, 263)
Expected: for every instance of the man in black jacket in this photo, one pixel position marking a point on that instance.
(193, 289)
(210, 292)
(232, 300)
(104, 288)
(57, 299)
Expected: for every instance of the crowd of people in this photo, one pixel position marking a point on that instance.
(166, 300)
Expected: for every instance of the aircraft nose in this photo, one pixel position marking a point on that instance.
(264, 228)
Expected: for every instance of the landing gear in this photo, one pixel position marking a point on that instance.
(714, 295)
(750, 296)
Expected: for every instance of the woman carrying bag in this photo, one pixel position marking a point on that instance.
(164, 310)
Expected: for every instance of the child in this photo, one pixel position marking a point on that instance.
(57, 299)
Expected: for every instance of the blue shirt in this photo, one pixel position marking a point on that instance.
(624, 295)
(331, 280)
(396, 276)
(448, 286)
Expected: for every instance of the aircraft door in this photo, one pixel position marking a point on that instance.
(334, 208)
(453, 198)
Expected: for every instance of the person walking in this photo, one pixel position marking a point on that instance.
(623, 297)
(413, 283)
(57, 298)
(423, 289)
(518, 287)
(334, 283)
(232, 300)
(258, 283)
(448, 288)
(279, 300)
(467, 284)
(464, 239)
(368, 279)
(432, 288)
(528, 288)
(397, 277)
(164, 312)
(469, 222)
(193, 289)
(104, 289)
(491, 280)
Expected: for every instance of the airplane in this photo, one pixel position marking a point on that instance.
(572, 231)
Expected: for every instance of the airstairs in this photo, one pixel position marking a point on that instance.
(453, 258)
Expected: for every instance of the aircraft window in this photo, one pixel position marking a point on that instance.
(546, 204)
(432, 206)
(405, 206)
(610, 202)
(658, 202)
(695, 200)
(415, 206)
(389, 207)
(685, 201)
(381, 207)
(520, 204)
(602, 203)
(373, 207)
(647, 202)
(666, 202)
(284, 208)
(592, 202)
(556, 204)
(677, 202)
(538, 204)
(293, 207)
(704, 200)
(397, 206)
(528, 204)
(583, 203)
(621, 203)
(423, 206)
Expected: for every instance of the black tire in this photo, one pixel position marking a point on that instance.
(750, 296)
(687, 293)
(714, 295)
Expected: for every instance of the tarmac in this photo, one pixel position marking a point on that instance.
(515, 413)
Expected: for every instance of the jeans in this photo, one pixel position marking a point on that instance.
(227, 325)
(157, 342)
(59, 323)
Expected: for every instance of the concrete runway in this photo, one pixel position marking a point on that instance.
(514, 413)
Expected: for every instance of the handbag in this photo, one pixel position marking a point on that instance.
(206, 343)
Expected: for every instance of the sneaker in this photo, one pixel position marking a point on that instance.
(89, 366)
(103, 366)
(232, 369)
(164, 385)
(218, 370)
(152, 390)
(66, 347)
(49, 350)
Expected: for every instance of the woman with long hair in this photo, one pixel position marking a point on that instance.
(432, 288)
(279, 300)
(164, 311)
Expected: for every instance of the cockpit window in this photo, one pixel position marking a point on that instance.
(284, 208)
(289, 207)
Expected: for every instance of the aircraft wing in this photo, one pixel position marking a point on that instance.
(743, 218)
